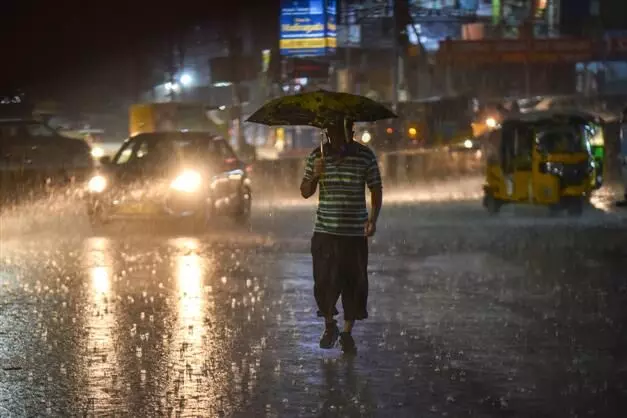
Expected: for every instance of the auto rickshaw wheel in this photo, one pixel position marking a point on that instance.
(575, 207)
(492, 204)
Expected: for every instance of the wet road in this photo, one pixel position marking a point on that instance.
(523, 315)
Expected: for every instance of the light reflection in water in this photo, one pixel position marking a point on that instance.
(188, 381)
(101, 361)
(189, 278)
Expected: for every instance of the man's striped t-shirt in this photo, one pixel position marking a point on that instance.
(342, 189)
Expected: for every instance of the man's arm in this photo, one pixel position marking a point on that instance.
(308, 187)
(310, 179)
(373, 180)
(376, 201)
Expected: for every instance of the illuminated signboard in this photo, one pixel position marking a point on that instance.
(331, 17)
(517, 51)
(308, 27)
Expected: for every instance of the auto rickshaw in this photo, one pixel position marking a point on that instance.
(593, 124)
(540, 158)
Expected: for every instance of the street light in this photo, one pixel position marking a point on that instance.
(186, 79)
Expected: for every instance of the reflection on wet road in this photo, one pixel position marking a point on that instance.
(470, 316)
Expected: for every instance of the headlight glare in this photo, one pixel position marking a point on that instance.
(97, 152)
(97, 184)
(188, 181)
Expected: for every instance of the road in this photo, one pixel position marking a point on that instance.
(522, 315)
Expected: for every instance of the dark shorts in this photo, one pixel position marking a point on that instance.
(340, 268)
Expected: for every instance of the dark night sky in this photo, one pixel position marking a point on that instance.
(69, 44)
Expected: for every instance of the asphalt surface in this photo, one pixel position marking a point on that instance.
(523, 315)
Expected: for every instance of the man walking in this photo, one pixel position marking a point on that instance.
(339, 246)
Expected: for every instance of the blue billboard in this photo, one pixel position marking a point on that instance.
(308, 27)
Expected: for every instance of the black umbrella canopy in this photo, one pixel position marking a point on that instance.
(320, 108)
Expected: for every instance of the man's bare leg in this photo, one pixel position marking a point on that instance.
(348, 326)
(331, 333)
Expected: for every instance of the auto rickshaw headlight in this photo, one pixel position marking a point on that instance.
(549, 167)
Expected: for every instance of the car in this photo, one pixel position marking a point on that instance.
(189, 177)
(33, 155)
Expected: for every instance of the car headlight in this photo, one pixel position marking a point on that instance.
(490, 122)
(188, 181)
(97, 184)
(97, 152)
(468, 143)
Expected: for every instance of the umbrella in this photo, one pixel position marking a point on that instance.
(320, 109)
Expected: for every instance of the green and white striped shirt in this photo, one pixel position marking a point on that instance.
(342, 189)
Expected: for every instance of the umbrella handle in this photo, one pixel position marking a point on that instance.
(324, 134)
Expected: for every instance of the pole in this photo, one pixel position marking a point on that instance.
(395, 56)
(347, 52)
(349, 75)
(171, 70)
(235, 49)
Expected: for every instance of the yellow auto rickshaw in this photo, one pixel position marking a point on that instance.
(540, 158)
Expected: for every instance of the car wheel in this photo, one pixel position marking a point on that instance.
(97, 216)
(243, 210)
(200, 221)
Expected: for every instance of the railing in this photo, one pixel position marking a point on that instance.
(398, 168)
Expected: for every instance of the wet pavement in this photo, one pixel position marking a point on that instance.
(522, 315)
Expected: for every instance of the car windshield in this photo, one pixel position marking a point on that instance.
(173, 148)
(561, 141)
(191, 146)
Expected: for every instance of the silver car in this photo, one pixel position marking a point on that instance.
(32, 153)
